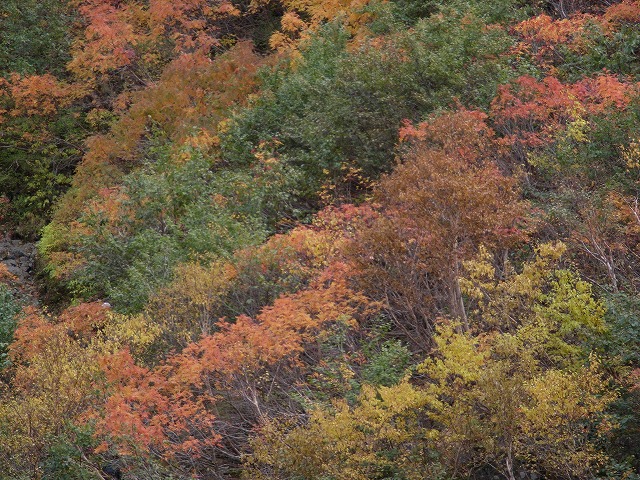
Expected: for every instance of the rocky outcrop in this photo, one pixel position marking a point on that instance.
(20, 260)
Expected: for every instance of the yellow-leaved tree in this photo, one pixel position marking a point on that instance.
(514, 394)
(302, 17)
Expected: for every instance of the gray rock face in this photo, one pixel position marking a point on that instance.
(20, 259)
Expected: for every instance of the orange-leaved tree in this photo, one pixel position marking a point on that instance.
(204, 400)
(445, 197)
(138, 38)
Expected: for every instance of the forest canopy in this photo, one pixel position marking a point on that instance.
(319, 240)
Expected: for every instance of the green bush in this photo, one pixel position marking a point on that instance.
(34, 36)
(67, 455)
(337, 111)
(9, 309)
(175, 212)
(387, 363)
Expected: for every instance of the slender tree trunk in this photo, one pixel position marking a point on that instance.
(456, 302)
(509, 464)
(460, 309)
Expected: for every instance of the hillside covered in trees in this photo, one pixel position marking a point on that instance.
(319, 240)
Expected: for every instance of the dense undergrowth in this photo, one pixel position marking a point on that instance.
(331, 240)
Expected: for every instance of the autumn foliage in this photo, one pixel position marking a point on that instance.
(411, 258)
(345, 239)
(177, 399)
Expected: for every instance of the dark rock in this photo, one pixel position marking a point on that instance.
(113, 471)
(20, 260)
